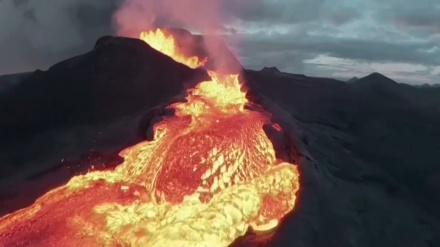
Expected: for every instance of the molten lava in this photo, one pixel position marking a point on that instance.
(165, 43)
(209, 174)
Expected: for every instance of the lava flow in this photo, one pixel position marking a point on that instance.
(208, 176)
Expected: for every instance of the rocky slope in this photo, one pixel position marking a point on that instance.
(108, 83)
(8, 81)
(369, 169)
(371, 159)
(79, 100)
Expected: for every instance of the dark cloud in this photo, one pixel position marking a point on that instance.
(423, 13)
(17, 3)
(352, 48)
(36, 34)
(362, 32)
(290, 11)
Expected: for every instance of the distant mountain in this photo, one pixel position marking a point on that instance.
(271, 70)
(275, 70)
(375, 79)
(353, 79)
(426, 85)
(387, 91)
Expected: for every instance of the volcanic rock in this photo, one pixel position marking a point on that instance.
(8, 81)
(369, 160)
(117, 78)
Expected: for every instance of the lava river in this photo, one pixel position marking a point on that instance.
(209, 175)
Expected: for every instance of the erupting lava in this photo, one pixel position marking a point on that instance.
(165, 43)
(208, 175)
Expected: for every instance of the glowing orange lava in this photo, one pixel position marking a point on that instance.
(165, 43)
(209, 175)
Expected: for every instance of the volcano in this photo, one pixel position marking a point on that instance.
(212, 157)
(209, 174)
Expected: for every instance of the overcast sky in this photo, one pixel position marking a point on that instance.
(331, 38)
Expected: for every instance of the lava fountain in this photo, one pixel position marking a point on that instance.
(208, 176)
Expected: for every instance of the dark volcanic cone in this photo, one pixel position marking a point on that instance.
(119, 77)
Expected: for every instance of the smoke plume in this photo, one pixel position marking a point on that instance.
(204, 16)
(38, 34)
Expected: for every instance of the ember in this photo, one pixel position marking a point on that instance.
(209, 175)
